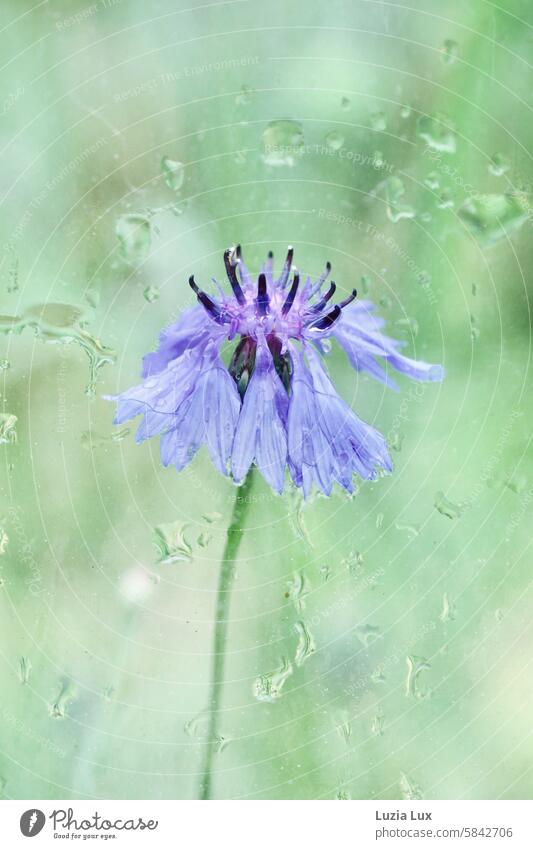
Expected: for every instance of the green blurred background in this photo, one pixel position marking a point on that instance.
(379, 646)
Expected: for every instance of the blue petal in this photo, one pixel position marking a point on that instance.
(261, 428)
(192, 328)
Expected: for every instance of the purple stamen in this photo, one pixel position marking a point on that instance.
(319, 306)
(291, 296)
(326, 321)
(262, 299)
(284, 276)
(232, 277)
(210, 306)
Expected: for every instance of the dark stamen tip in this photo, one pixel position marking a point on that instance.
(349, 299)
(192, 284)
(326, 321)
(270, 254)
(291, 296)
(232, 275)
(262, 295)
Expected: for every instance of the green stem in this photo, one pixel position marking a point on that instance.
(225, 580)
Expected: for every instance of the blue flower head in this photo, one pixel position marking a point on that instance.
(274, 404)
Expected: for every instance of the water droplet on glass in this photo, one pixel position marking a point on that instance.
(8, 432)
(491, 217)
(5, 364)
(283, 143)
(325, 571)
(197, 726)
(412, 529)
(379, 520)
(4, 540)
(24, 669)
(367, 634)
(377, 726)
(353, 562)
(343, 726)
(173, 173)
(447, 507)
(211, 518)
(92, 297)
(378, 121)
(394, 190)
(445, 200)
(170, 542)
(134, 234)
(151, 294)
(268, 688)
(449, 51)
(66, 695)
(334, 140)
(438, 132)
(405, 111)
(415, 666)
(409, 789)
(432, 180)
(306, 644)
(449, 610)
(297, 590)
(499, 164)
(345, 103)
(204, 539)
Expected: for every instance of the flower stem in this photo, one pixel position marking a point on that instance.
(225, 580)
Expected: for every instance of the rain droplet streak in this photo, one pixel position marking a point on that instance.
(377, 726)
(447, 507)
(306, 644)
(24, 669)
(394, 190)
(438, 132)
(492, 217)
(344, 727)
(67, 694)
(268, 688)
(409, 789)
(4, 540)
(449, 610)
(283, 143)
(297, 590)
(56, 323)
(8, 431)
(170, 542)
(415, 666)
(134, 233)
(173, 173)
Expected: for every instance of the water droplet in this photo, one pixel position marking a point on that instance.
(491, 217)
(498, 614)
(365, 284)
(412, 529)
(432, 180)
(283, 143)
(409, 789)
(24, 669)
(334, 140)
(198, 725)
(394, 190)
(379, 520)
(377, 726)
(437, 132)
(445, 200)
(67, 694)
(135, 236)
(449, 51)
(345, 103)
(367, 634)
(353, 562)
(8, 432)
(204, 539)
(499, 164)
(90, 439)
(343, 727)
(211, 518)
(378, 121)
(447, 507)
(244, 97)
(151, 294)
(325, 571)
(5, 364)
(173, 173)
(405, 111)
(4, 540)
(396, 441)
(408, 324)
(268, 688)
(415, 665)
(306, 644)
(170, 542)
(449, 610)
(221, 743)
(297, 590)
(92, 297)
